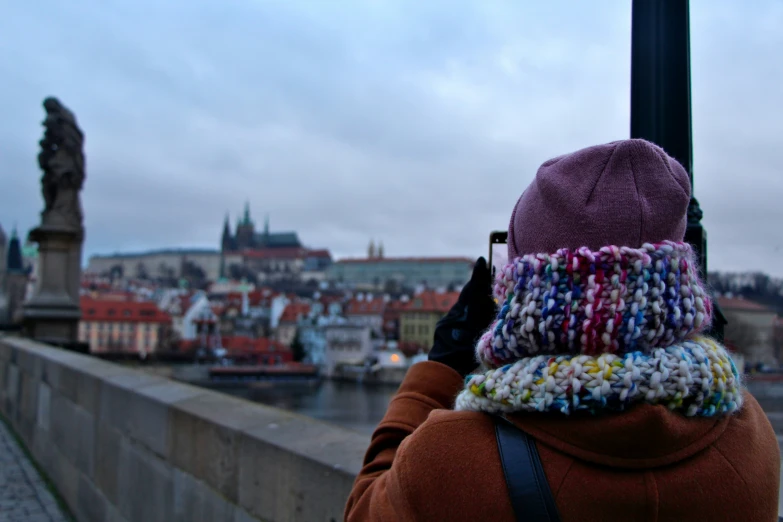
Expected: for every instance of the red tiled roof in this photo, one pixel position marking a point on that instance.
(323, 253)
(393, 310)
(95, 285)
(326, 300)
(285, 253)
(733, 303)
(257, 297)
(276, 253)
(408, 260)
(107, 310)
(115, 296)
(294, 311)
(240, 343)
(374, 306)
(395, 306)
(431, 301)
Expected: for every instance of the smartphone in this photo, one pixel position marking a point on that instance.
(498, 251)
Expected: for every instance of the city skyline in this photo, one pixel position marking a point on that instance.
(417, 125)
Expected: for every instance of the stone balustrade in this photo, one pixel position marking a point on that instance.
(123, 445)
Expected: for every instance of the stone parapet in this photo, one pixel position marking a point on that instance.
(122, 445)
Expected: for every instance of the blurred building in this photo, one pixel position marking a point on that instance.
(289, 322)
(390, 274)
(346, 345)
(246, 237)
(419, 318)
(367, 310)
(751, 330)
(113, 326)
(171, 264)
(244, 254)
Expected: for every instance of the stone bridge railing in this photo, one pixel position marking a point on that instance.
(122, 445)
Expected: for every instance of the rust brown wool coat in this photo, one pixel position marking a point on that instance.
(427, 462)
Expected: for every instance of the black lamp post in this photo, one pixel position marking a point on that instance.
(661, 99)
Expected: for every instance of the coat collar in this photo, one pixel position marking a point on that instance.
(643, 437)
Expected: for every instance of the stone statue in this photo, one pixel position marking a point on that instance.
(51, 314)
(62, 161)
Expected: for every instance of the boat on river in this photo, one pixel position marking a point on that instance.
(236, 374)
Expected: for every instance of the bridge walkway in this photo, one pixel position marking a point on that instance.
(24, 494)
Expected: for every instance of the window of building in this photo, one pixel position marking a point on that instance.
(112, 311)
(126, 312)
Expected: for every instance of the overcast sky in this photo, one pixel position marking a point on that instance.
(415, 123)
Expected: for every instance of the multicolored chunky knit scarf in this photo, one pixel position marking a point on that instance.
(696, 377)
(583, 330)
(616, 300)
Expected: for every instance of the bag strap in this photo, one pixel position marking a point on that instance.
(528, 488)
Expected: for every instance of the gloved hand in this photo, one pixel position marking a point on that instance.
(457, 333)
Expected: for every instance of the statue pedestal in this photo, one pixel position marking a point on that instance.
(52, 314)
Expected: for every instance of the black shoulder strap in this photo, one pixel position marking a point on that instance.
(528, 488)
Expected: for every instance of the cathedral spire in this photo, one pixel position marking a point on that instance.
(225, 245)
(246, 220)
(226, 240)
(227, 227)
(371, 250)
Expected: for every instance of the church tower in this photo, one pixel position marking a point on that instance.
(371, 250)
(246, 230)
(227, 240)
(226, 245)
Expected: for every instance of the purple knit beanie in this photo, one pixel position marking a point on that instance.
(623, 193)
(597, 262)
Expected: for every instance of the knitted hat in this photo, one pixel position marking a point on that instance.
(596, 259)
(624, 193)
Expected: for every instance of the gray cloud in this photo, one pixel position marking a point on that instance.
(418, 123)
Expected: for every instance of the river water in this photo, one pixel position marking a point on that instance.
(358, 407)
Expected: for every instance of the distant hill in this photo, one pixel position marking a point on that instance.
(754, 286)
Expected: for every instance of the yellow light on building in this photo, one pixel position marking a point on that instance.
(395, 358)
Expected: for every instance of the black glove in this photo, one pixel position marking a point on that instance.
(457, 333)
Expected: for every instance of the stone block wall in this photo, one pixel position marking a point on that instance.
(121, 445)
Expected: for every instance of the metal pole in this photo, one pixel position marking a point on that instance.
(661, 100)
